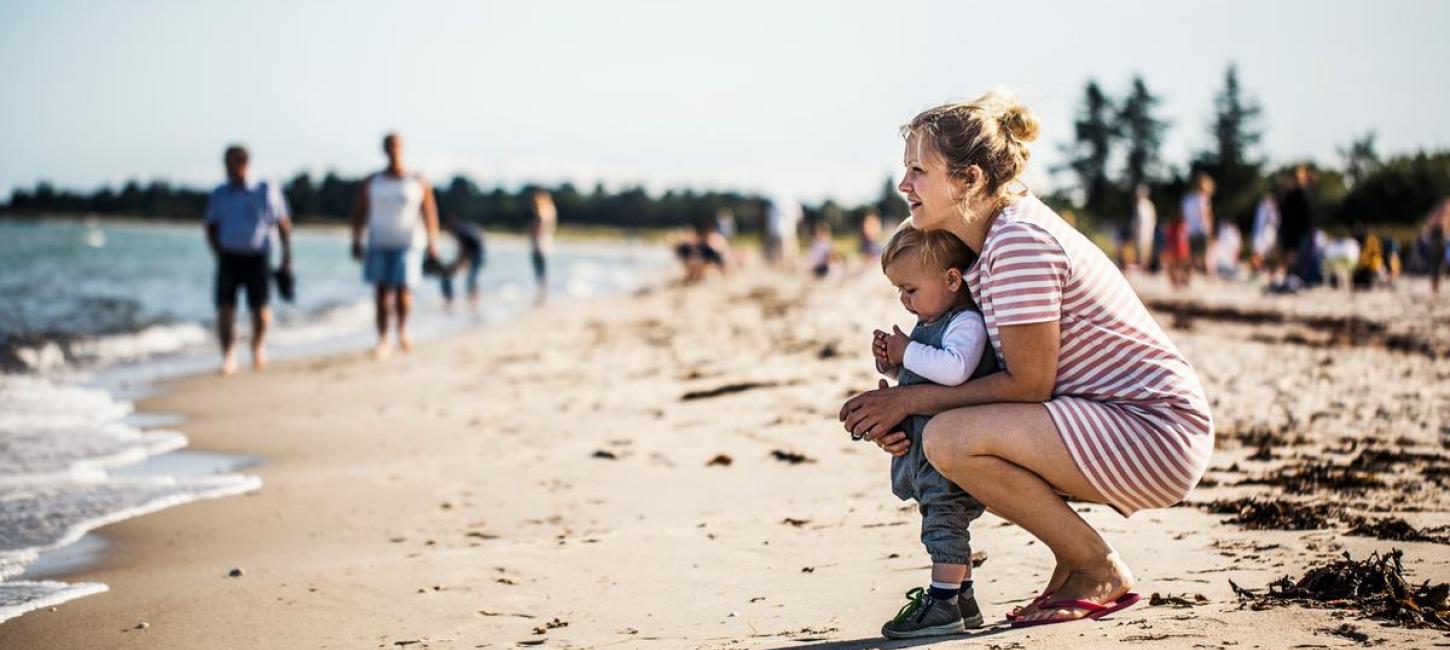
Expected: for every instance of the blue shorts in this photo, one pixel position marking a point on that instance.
(393, 267)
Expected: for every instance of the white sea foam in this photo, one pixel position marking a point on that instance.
(22, 596)
(56, 443)
(147, 342)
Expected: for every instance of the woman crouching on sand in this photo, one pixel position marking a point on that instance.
(1095, 401)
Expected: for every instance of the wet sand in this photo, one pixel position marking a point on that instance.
(666, 470)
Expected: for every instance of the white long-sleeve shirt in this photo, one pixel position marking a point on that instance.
(961, 350)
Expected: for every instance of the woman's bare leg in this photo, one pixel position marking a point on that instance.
(1011, 458)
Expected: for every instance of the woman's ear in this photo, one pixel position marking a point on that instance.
(975, 176)
(969, 182)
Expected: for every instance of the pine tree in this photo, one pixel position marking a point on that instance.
(1233, 160)
(890, 205)
(1360, 158)
(1142, 135)
(1094, 133)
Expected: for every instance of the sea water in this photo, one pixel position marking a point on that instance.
(93, 313)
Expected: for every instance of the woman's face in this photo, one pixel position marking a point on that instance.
(932, 194)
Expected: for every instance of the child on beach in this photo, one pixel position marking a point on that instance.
(948, 346)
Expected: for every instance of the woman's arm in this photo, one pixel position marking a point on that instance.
(1031, 360)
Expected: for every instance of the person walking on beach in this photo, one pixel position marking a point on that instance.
(1094, 400)
(541, 238)
(243, 216)
(1197, 210)
(397, 211)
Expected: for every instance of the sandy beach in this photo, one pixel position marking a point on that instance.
(666, 470)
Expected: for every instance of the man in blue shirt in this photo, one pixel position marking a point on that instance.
(243, 216)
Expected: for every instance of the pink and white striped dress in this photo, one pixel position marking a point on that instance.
(1129, 407)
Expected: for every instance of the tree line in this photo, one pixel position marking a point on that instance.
(331, 198)
(1117, 145)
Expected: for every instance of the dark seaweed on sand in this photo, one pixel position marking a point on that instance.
(1267, 514)
(791, 457)
(725, 390)
(1259, 436)
(1256, 513)
(1397, 529)
(1304, 478)
(1389, 460)
(1374, 587)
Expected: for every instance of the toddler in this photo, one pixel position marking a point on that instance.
(948, 346)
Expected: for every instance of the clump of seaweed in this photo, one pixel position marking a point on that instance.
(1374, 587)
(1274, 514)
(1394, 528)
(1258, 436)
(1305, 478)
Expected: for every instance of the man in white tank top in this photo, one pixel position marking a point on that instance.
(397, 211)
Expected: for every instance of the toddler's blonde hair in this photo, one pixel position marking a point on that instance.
(938, 248)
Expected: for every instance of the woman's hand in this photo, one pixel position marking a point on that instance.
(873, 416)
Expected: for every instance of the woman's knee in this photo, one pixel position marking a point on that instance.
(947, 442)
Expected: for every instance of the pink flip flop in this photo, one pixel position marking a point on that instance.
(1037, 602)
(1094, 610)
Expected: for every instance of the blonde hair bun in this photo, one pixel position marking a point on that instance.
(1020, 123)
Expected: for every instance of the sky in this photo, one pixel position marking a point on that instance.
(799, 99)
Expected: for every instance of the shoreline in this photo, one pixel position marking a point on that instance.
(552, 466)
(573, 233)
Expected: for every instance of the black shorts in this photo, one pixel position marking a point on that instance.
(235, 271)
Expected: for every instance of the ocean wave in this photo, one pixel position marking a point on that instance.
(49, 514)
(54, 352)
(56, 443)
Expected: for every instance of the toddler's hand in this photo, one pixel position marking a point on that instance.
(896, 343)
(878, 351)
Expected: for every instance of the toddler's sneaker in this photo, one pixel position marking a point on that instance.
(924, 616)
(971, 613)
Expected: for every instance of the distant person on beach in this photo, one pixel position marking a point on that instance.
(243, 216)
(396, 210)
(544, 221)
(1372, 268)
(1437, 227)
(1340, 256)
(703, 249)
(1145, 220)
(725, 223)
(1175, 253)
(823, 250)
(869, 242)
(782, 218)
(469, 261)
(1297, 212)
(1197, 211)
(1226, 250)
(1095, 401)
(1265, 234)
(947, 347)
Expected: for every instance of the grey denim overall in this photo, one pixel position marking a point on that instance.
(946, 509)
